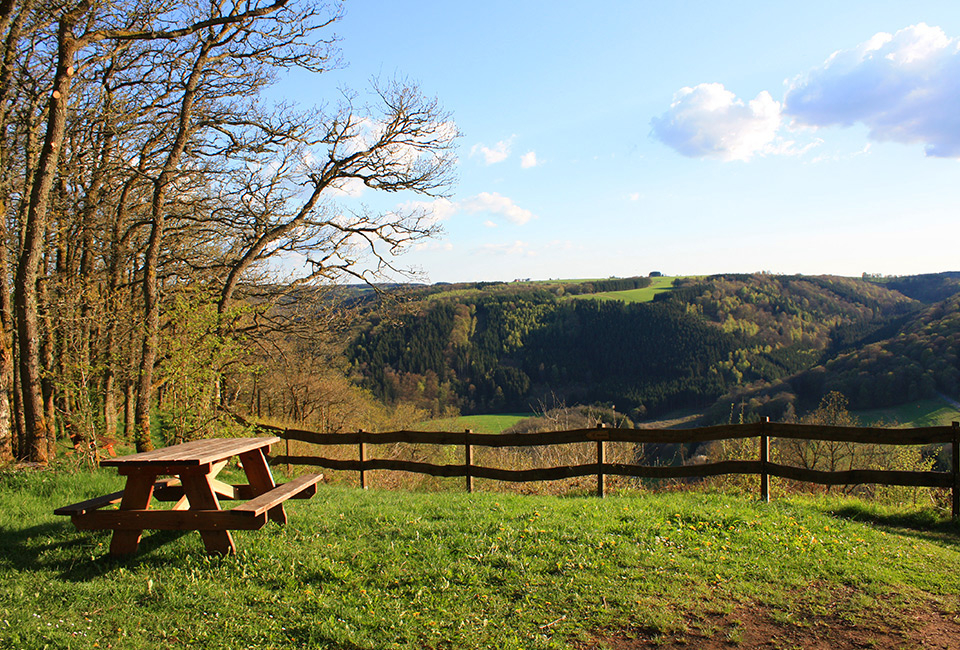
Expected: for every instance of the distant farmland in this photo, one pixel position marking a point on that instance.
(657, 285)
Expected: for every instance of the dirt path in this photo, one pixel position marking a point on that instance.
(756, 629)
(949, 400)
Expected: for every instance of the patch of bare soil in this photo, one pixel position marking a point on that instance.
(756, 629)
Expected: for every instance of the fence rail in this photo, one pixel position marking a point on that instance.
(764, 430)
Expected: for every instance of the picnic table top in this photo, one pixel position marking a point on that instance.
(197, 452)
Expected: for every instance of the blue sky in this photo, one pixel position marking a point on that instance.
(618, 138)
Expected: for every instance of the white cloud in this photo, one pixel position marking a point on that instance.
(433, 246)
(492, 202)
(634, 196)
(516, 248)
(904, 87)
(485, 202)
(782, 147)
(499, 153)
(836, 157)
(528, 160)
(710, 121)
(432, 211)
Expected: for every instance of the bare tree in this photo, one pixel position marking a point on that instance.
(142, 168)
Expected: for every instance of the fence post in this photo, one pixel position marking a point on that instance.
(764, 460)
(955, 453)
(468, 459)
(362, 452)
(601, 459)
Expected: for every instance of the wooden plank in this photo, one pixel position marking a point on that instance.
(261, 480)
(955, 462)
(917, 436)
(108, 499)
(874, 435)
(175, 469)
(241, 491)
(197, 452)
(601, 461)
(539, 474)
(468, 463)
(704, 434)
(764, 460)
(136, 496)
(862, 476)
(361, 460)
(199, 491)
(257, 506)
(124, 520)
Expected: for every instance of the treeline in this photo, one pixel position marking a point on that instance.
(462, 290)
(146, 190)
(927, 287)
(721, 336)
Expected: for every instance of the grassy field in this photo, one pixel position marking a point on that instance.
(375, 569)
(925, 413)
(494, 423)
(658, 285)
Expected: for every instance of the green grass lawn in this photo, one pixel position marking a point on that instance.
(493, 423)
(925, 413)
(378, 569)
(658, 285)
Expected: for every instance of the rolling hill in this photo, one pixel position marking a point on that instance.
(772, 343)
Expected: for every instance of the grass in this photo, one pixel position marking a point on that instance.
(378, 569)
(924, 413)
(658, 285)
(493, 423)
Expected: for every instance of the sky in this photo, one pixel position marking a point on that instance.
(620, 138)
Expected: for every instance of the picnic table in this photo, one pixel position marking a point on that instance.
(191, 470)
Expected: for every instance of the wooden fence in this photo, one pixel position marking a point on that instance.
(762, 466)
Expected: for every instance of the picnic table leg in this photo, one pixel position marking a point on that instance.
(199, 491)
(136, 496)
(261, 480)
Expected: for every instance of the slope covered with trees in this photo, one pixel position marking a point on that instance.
(913, 358)
(507, 347)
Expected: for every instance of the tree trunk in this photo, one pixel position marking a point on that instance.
(129, 406)
(25, 302)
(151, 296)
(48, 361)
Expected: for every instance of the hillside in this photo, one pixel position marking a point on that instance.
(916, 358)
(494, 347)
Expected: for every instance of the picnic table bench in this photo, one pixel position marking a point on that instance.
(190, 472)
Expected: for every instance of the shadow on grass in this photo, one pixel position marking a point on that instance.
(76, 556)
(923, 524)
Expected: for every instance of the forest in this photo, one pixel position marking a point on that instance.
(761, 344)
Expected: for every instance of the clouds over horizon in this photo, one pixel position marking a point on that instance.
(494, 203)
(493, 155)
(489, 203)
(709, 121)
(903, 87)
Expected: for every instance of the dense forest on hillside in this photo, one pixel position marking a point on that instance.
(917, 358)
(775, 343)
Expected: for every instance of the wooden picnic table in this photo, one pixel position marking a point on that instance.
(196, 491)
